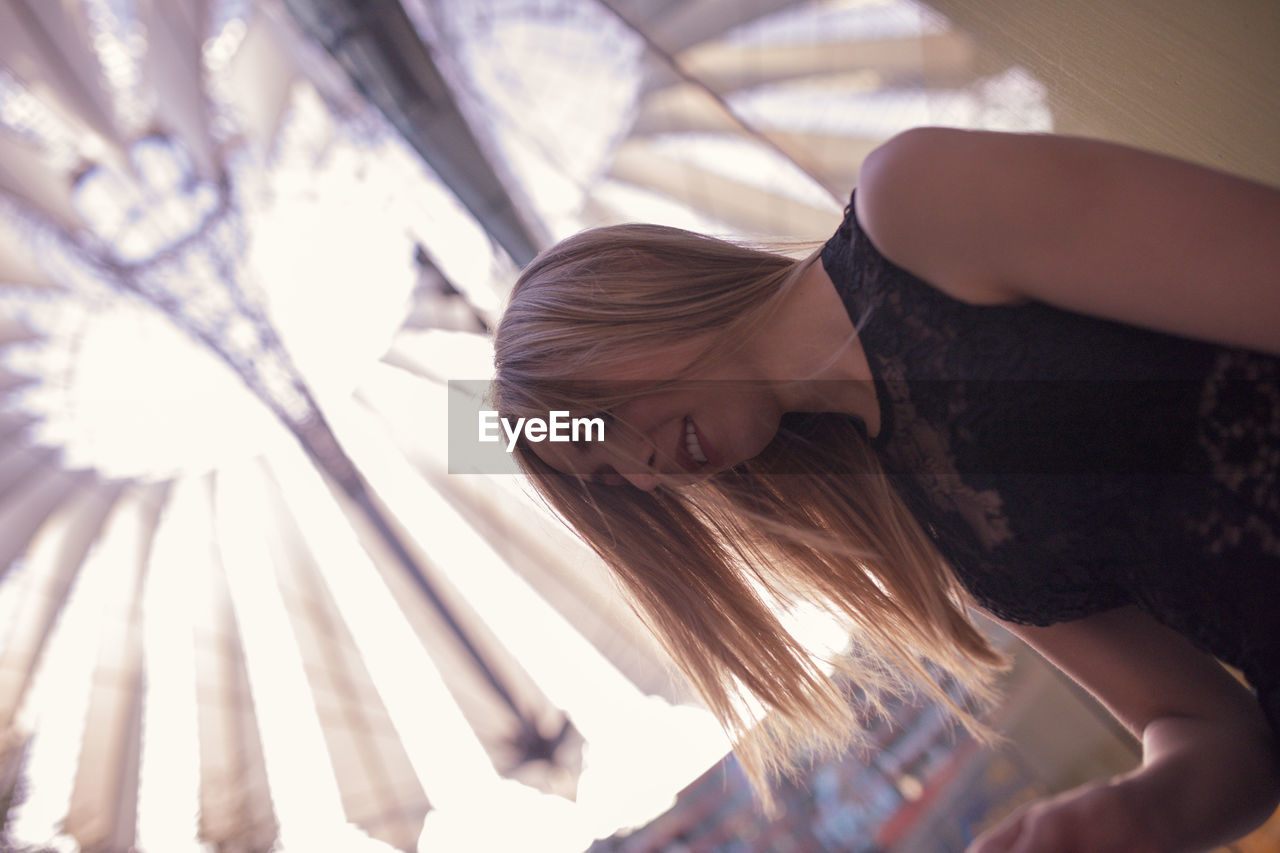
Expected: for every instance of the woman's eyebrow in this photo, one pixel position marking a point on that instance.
(597, 477)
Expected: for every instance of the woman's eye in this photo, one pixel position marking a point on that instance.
(607, 476)
(605, 417)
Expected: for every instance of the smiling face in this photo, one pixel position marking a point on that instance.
(606, 306)
(712, 420)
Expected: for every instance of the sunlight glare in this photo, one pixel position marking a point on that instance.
(335, 309)
(304, 792)
(169, 776)
(447, 756)
(144, 399)
(56, 707)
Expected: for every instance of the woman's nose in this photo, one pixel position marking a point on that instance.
(643, 482)
(642, 475)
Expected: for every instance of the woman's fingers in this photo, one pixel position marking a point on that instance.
(1095, 819)
(1002, 838)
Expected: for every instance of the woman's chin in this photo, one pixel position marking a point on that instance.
(683, 481)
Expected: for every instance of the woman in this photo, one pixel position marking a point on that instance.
(1036, 375)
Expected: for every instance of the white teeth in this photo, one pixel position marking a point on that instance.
(691, 442)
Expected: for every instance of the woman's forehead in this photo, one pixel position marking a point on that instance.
(578, 461)
(563, 458)
(592, 446)
(649, 362)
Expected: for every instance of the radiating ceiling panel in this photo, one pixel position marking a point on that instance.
(236, 811)
(31, 180)
(486, 713)
(746, 207)
(18, 266)
(301, 777)
(682, 107)
(376, 43)
(24, 511)
(1193, 80)
(19, 462)
(380, 790)
(13, 330)
(676, 26)
(175, 71)
(170, 767)
(11, 382)
(448, 756)
(14, 425)
(68, 513)
(705, 68)
(102, 813)
(938, 59)
(260, 78)
(48, 46)
(832, 158)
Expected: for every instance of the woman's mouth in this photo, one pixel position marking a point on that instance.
(691, 442)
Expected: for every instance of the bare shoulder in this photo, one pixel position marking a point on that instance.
(1140, 669)
(1082, 224)
(909, 203)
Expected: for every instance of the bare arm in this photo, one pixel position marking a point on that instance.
(1084, 225)
(1210, 769)
(1126, 235)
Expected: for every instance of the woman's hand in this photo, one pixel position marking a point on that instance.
(1104, 817)
(1210, 768)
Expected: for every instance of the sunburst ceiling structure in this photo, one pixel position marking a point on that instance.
(245, 244)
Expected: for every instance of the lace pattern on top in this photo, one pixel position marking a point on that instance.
(1240, 412)
(1067, 465)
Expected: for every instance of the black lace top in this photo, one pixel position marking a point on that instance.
(1067, 465)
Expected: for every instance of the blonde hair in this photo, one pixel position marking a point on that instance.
(811, 519)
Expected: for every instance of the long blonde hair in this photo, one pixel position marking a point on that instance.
(811, 519)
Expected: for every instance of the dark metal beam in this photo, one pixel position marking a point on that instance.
(376, 44)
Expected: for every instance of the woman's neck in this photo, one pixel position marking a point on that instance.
(812, 342)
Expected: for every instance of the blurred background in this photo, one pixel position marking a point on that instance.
(244, 246)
